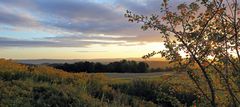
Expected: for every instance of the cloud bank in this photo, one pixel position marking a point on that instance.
(75, 23)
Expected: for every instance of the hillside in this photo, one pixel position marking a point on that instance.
(23, 86)
(42, 86)
(158, 64)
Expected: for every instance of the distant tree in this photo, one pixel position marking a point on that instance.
(115, 67)
(207, 31)
(132, 66)
(91, 67)
(88, 66)
(99, 67)
(142, 67)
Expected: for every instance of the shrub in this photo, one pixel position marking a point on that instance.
(161, 94)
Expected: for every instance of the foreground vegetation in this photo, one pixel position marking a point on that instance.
(24, 86)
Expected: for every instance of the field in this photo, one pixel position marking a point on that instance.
(158, 64)
(136, 75)
(42, 86)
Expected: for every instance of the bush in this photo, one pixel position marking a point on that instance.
(161, 94)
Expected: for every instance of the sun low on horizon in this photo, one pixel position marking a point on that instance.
(75, 29)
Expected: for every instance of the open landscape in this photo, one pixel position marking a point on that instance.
(119, 53)
(23, 85)
(45, 86)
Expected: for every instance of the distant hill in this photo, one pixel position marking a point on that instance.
(158, 64)
(47, 61)
(153, 62)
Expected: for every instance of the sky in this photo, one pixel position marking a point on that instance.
(75, 29)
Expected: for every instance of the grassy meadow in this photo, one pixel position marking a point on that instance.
(158, 64)
(42, 86)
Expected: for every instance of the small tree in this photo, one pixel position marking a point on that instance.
(207, 31)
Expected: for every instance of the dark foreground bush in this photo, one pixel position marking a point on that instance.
(161, 94)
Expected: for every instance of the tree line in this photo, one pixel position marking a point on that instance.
(122, 66)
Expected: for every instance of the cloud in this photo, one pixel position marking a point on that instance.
(60, 42)
(144, 7)
(16, 20)
(90, 51)
(76, 10)
(10, 42)
(77, 23)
